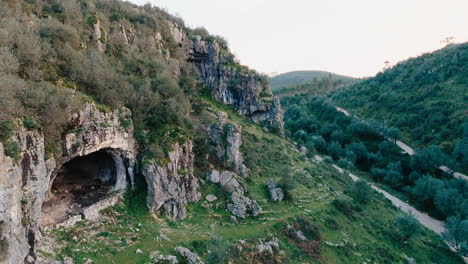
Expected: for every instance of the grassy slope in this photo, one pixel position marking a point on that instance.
(302, 77)
(367, 235)
(425, 97)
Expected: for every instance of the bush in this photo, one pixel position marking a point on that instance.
(12, 149)
(7, 129)
(361, 192)
(30, 124)
(457, 233)
(218, 251)
(405, 228)
(346, 207)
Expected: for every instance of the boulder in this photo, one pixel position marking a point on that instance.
(189, 256)
(211, 198)
(276, 193)
(166, 259)
(230, 182)
(213, 176)
(241, 205)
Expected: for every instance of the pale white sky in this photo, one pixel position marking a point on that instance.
(351, 37)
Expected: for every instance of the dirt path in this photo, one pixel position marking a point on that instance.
(411, 151)
(427, 221)
(433, 224)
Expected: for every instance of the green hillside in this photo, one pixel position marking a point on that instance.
(346, 230)
(303, 77)
(425, 97)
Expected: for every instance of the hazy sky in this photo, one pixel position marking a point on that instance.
(351, 37)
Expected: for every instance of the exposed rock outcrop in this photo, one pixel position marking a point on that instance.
(232, 84)
(225, 140)
(26, 180)
(172, 186)
(240, 205)
(213, 176)
(276, 193)
(23, 184)
(229, 82)
(231, 182)
(99, 35)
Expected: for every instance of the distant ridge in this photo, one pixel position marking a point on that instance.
(302, 77)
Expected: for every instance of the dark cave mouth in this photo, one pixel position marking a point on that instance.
(79, 183)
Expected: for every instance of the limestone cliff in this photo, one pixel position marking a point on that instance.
(228, 81)
(173, 185)
(24, 182)
(224, 139)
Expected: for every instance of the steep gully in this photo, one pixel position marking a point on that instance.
(411, 151)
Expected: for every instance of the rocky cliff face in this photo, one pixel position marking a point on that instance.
(224, 139)
(229, 82)
(24, 182)
(173, 185)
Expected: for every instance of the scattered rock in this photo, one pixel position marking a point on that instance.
(153, 254)
(138, 251)
(231, 182)
(256, 209)
(240, 205)
(270, 246)
(166, 259)
(205, 204)
(191, 257)
(301, 235)
(233, 218)
(276, 193)
(213, 176)
(164, 237)
(211, 198)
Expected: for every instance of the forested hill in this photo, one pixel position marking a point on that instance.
(425, 97)
(303, 77)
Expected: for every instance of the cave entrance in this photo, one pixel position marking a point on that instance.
(79, 183)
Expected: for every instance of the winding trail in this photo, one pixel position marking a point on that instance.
(411, 151)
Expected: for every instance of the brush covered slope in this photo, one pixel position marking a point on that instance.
(425, 97)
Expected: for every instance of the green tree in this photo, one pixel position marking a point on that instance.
(428, 160)
(406, 228)
(361, 192)
(392, 133)
(217, 251)
(457, 233)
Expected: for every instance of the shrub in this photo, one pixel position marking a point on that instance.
(361, 192)
(346, 207)
(405, 228)
(30, 124)
(457, 233)
(7, 129)
(12, 149)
